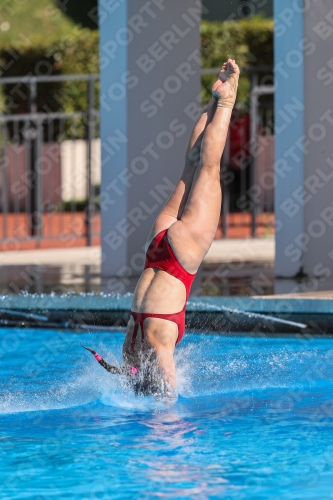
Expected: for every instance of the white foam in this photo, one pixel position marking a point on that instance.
(207, 366)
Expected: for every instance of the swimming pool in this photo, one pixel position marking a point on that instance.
(254, 419)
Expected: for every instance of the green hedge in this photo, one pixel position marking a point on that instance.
(250, 42)
(73, 54)
(77, 53)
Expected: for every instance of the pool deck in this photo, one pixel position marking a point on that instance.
(231, 250)
(231, 267)
(255, 252)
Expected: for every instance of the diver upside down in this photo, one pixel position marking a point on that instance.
(180, 238)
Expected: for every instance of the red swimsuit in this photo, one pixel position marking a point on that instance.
(161, 256)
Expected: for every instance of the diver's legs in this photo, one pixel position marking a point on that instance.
(176, 204)
(174, 207)
(192, 236)
(178, 199)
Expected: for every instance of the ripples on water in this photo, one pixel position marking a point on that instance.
(253, 419)
(46, 372)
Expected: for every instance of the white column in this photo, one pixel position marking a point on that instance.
(304, 138)
(317, 196)
(150, 87)
(289, 128)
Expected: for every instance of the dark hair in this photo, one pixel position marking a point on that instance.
(149, 383)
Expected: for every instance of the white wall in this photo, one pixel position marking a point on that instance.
(317, 193)
(304, 138)
(74, 168)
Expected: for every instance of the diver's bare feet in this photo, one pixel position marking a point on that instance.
(225, 88)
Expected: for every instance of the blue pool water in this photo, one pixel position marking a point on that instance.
(253, 420)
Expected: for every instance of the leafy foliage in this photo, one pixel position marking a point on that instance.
(249, 41)
(76, 53)
(22, 20)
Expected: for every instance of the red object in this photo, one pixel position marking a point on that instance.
(239, 139)
(161, 256)
(178, 318)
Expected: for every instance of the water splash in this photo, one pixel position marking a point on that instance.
(265, 318)
(206, 365)
(219, 365)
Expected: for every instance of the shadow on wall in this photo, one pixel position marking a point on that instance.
(213, 10)
(84, 13)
